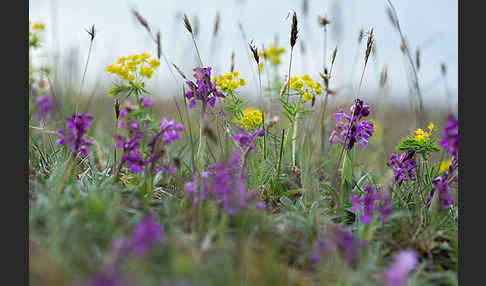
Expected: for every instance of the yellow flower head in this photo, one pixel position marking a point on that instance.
(154, 63)
(272, 54)
(251, 119)
(421, 135)
(305, 86)
(38, 26)
(229, 82)
(145, 57)
(146, 72)
(134, 67)
(444, 165)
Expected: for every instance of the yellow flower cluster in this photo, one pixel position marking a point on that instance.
(444, 165)
(35, 27)
(229, 82)
(422, 135)
(127, 68)
(306, 86)
(38, 26)
(272, 54)
(252, 118)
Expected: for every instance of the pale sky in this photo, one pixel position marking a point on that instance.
(431, 25)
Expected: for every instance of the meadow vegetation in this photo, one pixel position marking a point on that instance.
(207, 187)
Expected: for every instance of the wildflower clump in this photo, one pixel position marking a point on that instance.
(134, 68)
(305, 86)
(138, 157)
(251, 118)
(146, 233)
(403, 165)
(224, 184)
(76, 128)
(43, 105)
(272, 54)
(421, 135)
(203, 89)
(248, 139)
(422, 142)
(33, 35)
(229, 82)
(349, 127)
(371, 202)
(450, 136)
(337, 238)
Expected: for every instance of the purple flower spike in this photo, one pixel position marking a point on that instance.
(397, 273)
(248, 139)
(450, 137)
(224, 183)
(43, 106)
(152, 156)
(321, 247)
(146, 101)
(203, 90)
(349, 129)
(170, 130)
(146, 233)
(337, 238)
(404, 166)
(76, 127)
(372, 201)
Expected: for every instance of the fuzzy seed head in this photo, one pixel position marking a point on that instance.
(141, 20)
(323, 21)
(254, 50)
(92, 32)
(187, 24)
(294, 31)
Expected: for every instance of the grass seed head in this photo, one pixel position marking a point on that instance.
(232, 61)
(141, 20)
(92, 32)
(187, 24)
(117, 108)
(334, 53)
(323, 21)
(254, 50)
(383, 77)
(443, 69)
(216, 25)
(417, 59)
(369, 45)
(159, 45)
(294, 31)
(325, 78)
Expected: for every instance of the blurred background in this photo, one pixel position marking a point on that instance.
(431, 27)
